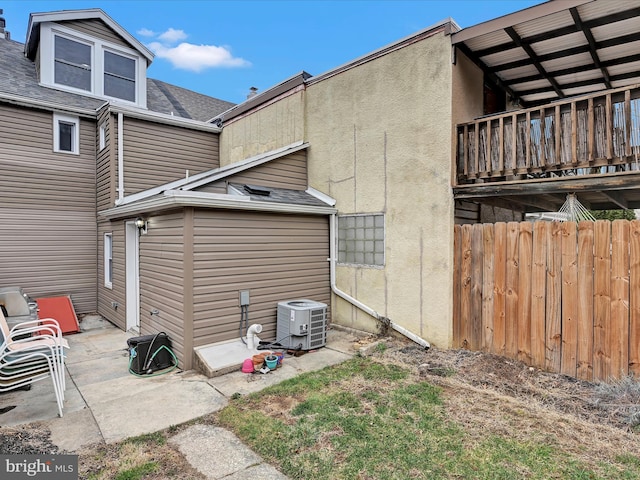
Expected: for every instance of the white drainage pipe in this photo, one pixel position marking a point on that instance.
(386, 321)
(252, 339)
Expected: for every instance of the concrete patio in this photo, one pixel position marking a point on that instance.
(105, 403)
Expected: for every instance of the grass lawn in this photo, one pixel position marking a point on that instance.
(367, 419)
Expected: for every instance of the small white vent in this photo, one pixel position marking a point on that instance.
(302, 324)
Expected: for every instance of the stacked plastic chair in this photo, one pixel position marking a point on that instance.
(32, 351)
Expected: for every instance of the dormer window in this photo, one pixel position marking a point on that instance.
(119, 76)
(74, 61)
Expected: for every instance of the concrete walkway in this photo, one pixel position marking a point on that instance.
(105, 403)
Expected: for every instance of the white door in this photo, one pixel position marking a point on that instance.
(132, 259)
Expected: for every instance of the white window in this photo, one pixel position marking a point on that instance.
(74, 61)
(108, 260)
(361, 239)
(119, 76)
(66, 136)
(102, 133)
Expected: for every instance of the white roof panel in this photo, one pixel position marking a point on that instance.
(586, 89)
(548, 22)
(559, 43)
(592, 10)
(567, 62)
(617, 29)
(506, 56)
(489, 40)
(579, 76)
(542, 83)
(626, 68)
(625, 50)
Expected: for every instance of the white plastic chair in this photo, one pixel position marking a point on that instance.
(32, 351)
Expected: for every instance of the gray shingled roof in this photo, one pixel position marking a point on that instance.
(278, 195)
(18, 77)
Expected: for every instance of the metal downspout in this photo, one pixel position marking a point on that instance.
(120, 157)
(345, 296)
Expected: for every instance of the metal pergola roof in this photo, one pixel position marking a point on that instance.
(558, 49)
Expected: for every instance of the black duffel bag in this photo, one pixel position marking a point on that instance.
(150, 353)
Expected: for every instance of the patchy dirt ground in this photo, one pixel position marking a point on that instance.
(484, 393)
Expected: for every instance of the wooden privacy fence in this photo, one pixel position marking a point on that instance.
(564, 297)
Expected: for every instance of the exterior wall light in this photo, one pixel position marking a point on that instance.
(142, 225)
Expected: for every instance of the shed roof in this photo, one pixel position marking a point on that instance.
(558, 49)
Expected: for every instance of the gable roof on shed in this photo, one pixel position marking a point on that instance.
(182, 192)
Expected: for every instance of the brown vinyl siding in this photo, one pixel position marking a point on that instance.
(48, 209)
(98, 29)
(106, 296)
(161, 279)
(276, 257)
(155, 154)
(106, 171)
(289, 171)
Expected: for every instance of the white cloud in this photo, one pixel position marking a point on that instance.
(187, 56)
(172, 36)
(145, 32)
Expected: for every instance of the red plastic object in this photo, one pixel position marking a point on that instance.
(61, 309)
(247, 366)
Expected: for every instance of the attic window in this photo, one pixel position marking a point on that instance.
(80, 63)
(72, 63)
(252, 190)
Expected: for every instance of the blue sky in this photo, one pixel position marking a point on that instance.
(222, 48)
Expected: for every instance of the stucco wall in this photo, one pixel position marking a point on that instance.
(380, 136)
(276, 125)
(380, 142)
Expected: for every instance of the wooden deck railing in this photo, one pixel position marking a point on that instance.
(593, 134)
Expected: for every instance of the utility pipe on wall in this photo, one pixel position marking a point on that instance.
(345, 296)
(252, 339)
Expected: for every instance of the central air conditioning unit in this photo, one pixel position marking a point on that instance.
(302, 322)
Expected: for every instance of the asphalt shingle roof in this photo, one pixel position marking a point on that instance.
(278, 195)
(18, 77)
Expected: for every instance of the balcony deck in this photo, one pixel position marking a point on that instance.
(589, 145)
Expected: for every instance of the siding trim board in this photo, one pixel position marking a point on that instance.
(216, 174)
(176, 198)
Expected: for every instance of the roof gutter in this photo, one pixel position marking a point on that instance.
(178, 198)
(58, 107)
(141, 114)
(356, 303)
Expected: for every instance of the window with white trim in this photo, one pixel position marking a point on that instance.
(72, 63)
(66, 138)
(119, 76)
(108, 260)
(71, 60)
(361, 239)
(102, 136)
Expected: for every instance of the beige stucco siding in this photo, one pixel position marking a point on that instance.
(275, 257)
(273, 126)
(155, 153)
(47, 207)
(380, 136)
